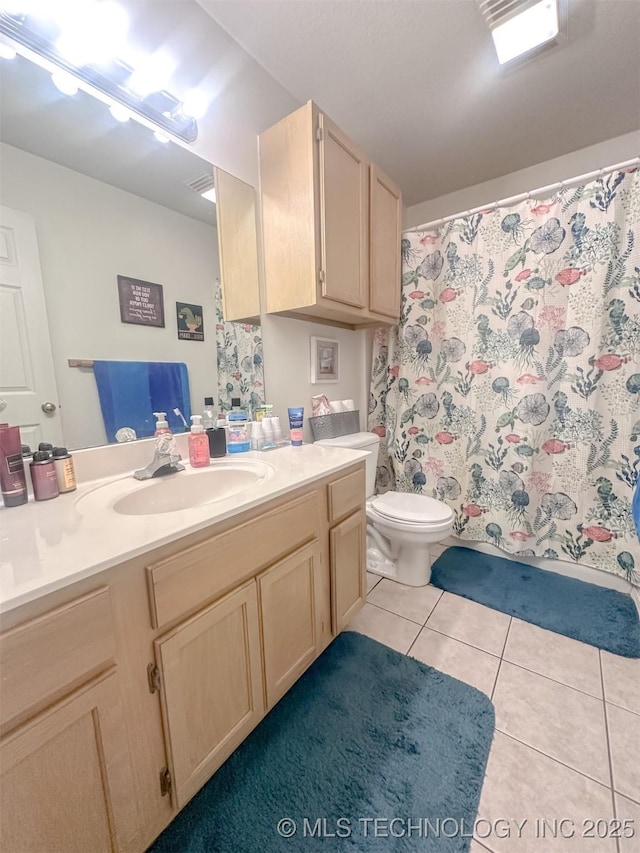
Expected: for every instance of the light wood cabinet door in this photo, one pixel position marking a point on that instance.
(66, 779)
(237, 248)
(348, 568)
(385, 227)
(211, 687)
(289, 593)
(344, 217)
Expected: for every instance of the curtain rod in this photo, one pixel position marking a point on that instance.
(541, 192)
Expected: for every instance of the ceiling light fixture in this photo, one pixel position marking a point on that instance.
(71, 43)
(521, 28)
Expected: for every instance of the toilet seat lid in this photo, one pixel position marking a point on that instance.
(420, 509)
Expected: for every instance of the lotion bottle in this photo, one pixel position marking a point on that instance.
(198, 444)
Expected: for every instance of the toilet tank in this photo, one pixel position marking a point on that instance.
(360, 441)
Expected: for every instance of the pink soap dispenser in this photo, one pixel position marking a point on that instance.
(198, 444)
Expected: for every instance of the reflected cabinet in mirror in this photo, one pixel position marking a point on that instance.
(113, 245)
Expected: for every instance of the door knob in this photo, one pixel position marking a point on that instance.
(48, 408)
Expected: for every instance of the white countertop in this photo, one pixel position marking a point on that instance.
(48, 545)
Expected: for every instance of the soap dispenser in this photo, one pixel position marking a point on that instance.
(198, 444)
(162, 425)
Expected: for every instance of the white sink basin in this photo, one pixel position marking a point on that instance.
(185, 490)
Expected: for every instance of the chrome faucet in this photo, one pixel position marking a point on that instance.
(165, 460)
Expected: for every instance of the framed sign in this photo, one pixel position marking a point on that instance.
(190, 322)
(324, 360)
(141, 302)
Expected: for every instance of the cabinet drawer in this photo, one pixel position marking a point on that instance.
(199, 574)
(346, 494)
(45, 658)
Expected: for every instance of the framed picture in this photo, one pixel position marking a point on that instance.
(325, 360)
(141, 302)
(190, 322)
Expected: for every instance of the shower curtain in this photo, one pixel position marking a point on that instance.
(240, 361)
(511, 388)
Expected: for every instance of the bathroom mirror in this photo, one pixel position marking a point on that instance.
(127, 248)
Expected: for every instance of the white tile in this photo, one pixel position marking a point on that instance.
(621, 681)
(470, 622)
(372, 580)
(557, 720)
(412, 602)
(521, 784)
(463, 662)
(628, 813)
(555, 656)
(624, 742)
(385, 627)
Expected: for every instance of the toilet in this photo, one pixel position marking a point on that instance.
(400, 526)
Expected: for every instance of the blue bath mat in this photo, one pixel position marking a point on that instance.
(592, 614)
(366, 733)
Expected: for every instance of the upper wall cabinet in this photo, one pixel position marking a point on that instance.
(237, 248)
(331, 222)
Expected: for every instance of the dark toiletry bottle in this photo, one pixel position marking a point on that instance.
(65, 472)
(13, 480)
(43, 476)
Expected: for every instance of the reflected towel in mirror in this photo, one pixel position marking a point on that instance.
(131, 391)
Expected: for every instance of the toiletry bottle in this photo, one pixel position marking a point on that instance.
(218, 438)
(238, 434)
(296, 416)
(162, 425)
(208, 415)
(13, 481)
(198, 444)
(65, 471)
(45, 447)
(43, 476)
(165, 441)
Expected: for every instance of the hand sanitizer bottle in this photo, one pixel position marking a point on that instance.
(198, 444)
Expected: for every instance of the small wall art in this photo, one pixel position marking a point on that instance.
(141, 302)
(325, 360)
(190, 322)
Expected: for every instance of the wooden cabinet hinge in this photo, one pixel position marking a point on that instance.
(319, 133)
(321, 276)
(165, 781)
(153, 677)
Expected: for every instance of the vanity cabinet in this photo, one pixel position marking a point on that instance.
(331, 225)
(124, 693)
(211, 688)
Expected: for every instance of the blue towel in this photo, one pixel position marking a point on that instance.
(131, 391)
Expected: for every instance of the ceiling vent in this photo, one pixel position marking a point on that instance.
(523, 28)
(201, 182)
(204, 185)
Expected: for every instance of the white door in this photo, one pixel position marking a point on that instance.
(27, 379)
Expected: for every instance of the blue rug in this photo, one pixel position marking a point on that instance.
(592, 614)
(366, 733)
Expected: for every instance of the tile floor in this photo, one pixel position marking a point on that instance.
(567, 740)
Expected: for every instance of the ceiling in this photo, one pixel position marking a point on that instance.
(417, 84)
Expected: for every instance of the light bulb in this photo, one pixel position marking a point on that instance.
(119, 112)
(91, 32)
(64, 82)
(195, 104)
(161, 137)
(6, 52)
(151, 74)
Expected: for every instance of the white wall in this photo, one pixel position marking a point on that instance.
(580, 162)
(88, 233)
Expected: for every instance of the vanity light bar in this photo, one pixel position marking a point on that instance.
(158, 110)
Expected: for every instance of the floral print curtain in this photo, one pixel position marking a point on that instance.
(240, 361)
(511, 388)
